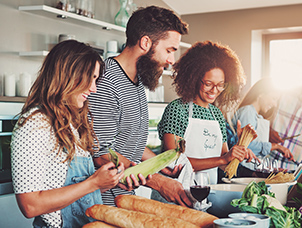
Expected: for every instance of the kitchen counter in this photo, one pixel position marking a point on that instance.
(10, 214)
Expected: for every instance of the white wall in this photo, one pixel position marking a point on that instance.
(23, 31)
(240, 29)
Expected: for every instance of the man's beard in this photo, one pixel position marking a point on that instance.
(149, 70)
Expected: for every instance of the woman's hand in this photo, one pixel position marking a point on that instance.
(107, 176)
(250, 156)
(285, 151)
(274, 136)
(239, 152)
(36, 203)
(239, 129)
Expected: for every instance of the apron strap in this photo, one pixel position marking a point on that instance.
(190, 109)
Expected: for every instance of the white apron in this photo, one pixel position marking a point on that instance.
(262, 136)
(203, 140)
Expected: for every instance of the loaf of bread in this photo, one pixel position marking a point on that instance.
(98, 224)
(142, 204)
(134, 219)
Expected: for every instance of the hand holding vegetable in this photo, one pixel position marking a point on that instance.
(131, 181)
(155, 164)
(106, 177)
(134, 181)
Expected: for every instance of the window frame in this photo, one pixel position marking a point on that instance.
(266, 38)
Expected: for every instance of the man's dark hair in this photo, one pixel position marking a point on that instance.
(154, 22)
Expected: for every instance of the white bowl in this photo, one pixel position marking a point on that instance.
(234, 223)
(263, 221)
(280, 190)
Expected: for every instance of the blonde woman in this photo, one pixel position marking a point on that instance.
(53, 173)
(261, 98)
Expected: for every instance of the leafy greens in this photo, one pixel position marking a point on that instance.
(256, 198)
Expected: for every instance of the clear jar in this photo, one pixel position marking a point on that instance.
(90, 8)
(82, 7)
(66, 5)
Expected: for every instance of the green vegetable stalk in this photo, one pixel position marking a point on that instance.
(113, 157)
(256, 198)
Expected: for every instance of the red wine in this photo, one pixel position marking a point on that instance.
(200, 192)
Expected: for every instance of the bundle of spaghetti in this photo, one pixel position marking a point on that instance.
(279, 178)
(247, 136)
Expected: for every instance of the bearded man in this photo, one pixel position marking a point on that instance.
(120, 108)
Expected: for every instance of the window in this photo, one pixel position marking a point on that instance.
(283, 59)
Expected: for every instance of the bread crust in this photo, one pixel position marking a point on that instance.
(134, 219)
(142, 204)
(98, 224)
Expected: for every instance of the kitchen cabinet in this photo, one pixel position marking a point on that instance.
(78, 20)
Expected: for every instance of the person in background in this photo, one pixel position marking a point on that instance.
(208, 72)
(120, 107)
(286, 123)
(258, 102)
(53, 141)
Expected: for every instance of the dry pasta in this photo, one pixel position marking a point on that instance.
(247, 136)
(279, 178)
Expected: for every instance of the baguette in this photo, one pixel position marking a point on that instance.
(98, 224)
(133, 219)
(142, 204)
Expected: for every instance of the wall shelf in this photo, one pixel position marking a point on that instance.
(12, 99)
(33, 53)
(51, 12)
(62, 16)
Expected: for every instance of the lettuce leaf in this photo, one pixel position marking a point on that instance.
(253, 200)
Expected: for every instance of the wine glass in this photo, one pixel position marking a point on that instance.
(200, 185)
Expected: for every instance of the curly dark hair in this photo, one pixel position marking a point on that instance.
(154, 22)
(201, 58)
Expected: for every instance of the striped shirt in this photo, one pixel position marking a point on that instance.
(288, 122)
(120, 115)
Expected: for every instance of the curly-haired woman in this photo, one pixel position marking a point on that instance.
(207, 74)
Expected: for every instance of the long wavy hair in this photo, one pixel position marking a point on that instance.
(67, 70)
(201, 58)
(263, 86)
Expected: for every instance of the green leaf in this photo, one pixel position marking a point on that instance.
(113, 157)
(254, 201)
